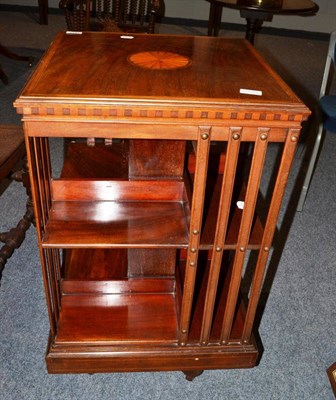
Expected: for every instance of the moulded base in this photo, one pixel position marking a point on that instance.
(98, 359)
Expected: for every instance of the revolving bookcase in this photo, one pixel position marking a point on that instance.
(147, 230)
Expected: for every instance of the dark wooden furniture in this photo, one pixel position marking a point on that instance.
(256, 12)
(12, 166)
(112, 15)
(331, 372)
(143, 256)
(43, 11)
(7, 53)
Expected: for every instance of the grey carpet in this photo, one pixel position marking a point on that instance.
(297, 328)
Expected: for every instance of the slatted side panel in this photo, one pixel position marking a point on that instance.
(270, 225)
(40, 169)
(227, 317)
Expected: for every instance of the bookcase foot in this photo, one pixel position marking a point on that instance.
(191, 375)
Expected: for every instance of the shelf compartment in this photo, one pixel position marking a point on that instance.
(118, 318)
(83, 161)
(199, 302)
(116, 224)
(217, 161)
(208, 232)
(87, 213)
(94, 264)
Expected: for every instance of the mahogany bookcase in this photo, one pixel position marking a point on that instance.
(145, 234)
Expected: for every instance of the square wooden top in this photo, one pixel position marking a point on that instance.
(106, 68)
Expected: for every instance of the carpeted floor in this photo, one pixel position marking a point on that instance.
(297, 328)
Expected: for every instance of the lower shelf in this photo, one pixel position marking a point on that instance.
(132, 324)
(133, 318)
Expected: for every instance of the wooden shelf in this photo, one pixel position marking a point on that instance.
(116, 224)
(118, 318)
(101, 213)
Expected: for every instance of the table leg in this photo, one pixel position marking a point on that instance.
(9, 54)
(254, 20)
(43, 11)
(253, 26)
(215, 18)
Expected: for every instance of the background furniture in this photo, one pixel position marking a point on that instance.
(331, 371)
(12, 153)
(326, 114)
(256, 12)
(112, 15)
(7, 53)
(143, 271)
(43, 11)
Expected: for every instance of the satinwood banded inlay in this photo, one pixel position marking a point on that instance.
(159, 60)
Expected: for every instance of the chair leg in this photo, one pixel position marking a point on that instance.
(14, 237)
(9, 54)
(310, 169)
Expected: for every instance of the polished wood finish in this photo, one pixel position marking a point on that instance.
(145, 236)
(159, 60)
(13, 165)
(256, 12)
(331, 372)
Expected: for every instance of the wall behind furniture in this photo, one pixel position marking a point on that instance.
(324, 21)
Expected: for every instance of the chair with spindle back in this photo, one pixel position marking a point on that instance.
(112, 15)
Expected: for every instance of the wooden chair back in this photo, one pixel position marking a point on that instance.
(112, 15)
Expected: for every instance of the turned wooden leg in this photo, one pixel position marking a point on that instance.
(253, 26)
(14, 238)
(191, 375)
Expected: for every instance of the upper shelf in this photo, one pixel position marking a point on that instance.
(101, 213)
(115, 224)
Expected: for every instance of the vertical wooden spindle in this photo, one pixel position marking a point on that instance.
(244, 231)
(203, 145)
